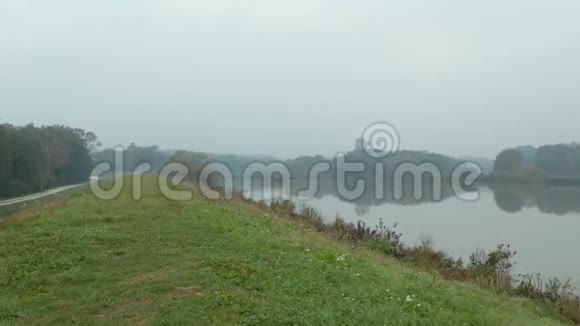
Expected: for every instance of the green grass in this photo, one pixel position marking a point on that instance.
(156, 261)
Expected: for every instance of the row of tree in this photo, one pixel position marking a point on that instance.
(560, 160)
(34, 158)
(301, 166)
(133, 156)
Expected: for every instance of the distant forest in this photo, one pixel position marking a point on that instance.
(299, 167)
(557, 162)
(546, 163)
(33, 159)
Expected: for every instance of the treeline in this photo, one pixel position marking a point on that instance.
(33, 159)
(134, 155)
(299, 167)
(551, 162)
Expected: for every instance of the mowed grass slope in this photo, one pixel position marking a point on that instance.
(156, 261)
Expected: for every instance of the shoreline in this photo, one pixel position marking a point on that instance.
(491, 270)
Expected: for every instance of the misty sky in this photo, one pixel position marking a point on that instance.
(295, 77)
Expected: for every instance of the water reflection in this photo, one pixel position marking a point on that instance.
(368, 198)
(509, 197)
(521, 215)
(549, 199)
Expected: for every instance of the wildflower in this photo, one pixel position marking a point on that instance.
(409, 298)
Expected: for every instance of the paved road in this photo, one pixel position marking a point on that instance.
(38, 195)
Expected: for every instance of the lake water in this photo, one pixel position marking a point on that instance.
(541, 223)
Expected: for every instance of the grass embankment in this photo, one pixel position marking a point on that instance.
(204, 262)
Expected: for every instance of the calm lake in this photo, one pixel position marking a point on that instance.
(541, 223)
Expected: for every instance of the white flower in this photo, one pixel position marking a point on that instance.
(409, 298)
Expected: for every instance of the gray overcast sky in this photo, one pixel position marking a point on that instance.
(295, 77)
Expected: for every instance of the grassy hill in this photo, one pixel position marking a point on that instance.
(155, 261)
